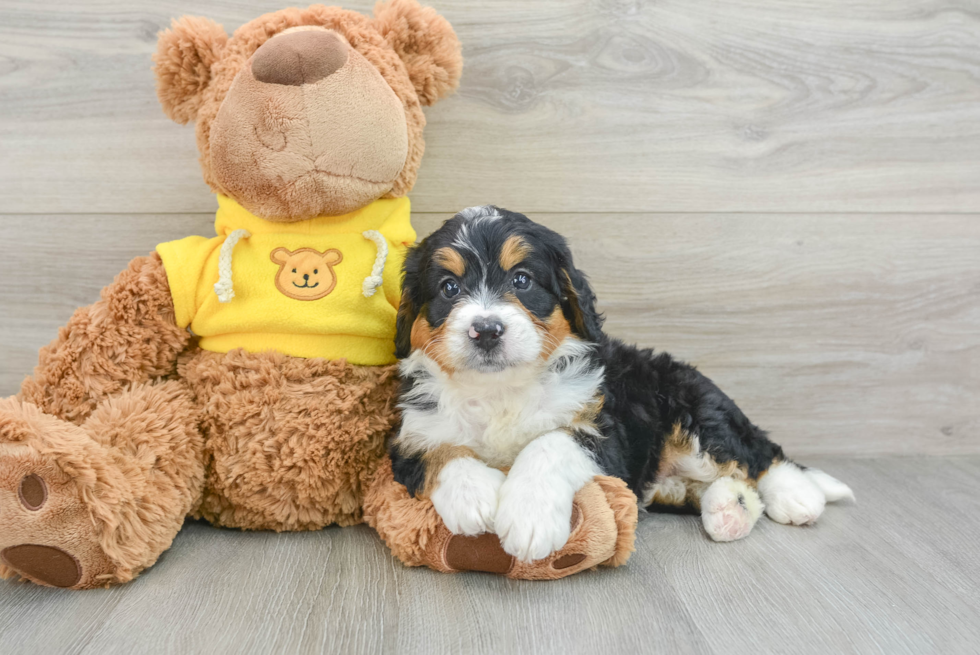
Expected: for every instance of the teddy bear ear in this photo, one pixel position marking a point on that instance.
(279, 256)
(183, 60)
(427, 45)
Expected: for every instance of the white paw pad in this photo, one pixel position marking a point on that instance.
(729, 509)
(466, 496)
(791, 497)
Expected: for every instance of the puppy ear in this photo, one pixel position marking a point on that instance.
(183, 60)
(578, 304)
(427, 45)
(411, 301)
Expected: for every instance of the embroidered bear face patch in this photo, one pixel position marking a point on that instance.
(306, 274)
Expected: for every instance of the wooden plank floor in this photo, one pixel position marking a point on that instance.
(896, 573)
(783, 193)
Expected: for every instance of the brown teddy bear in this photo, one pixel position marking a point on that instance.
(249, 378)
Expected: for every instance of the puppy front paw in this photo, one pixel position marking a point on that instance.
(466, 497)
(533, 517)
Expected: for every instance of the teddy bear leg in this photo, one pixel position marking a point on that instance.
(86, 506)
(603, 526)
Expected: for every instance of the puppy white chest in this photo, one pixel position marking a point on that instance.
(499, 423)
(496, 415)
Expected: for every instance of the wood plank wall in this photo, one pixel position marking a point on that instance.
(785, 193)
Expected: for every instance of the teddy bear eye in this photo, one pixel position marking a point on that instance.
(294, 270)
(315, 271)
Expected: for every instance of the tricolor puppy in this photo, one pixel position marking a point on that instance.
(505, 368)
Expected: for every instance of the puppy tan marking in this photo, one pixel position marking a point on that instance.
(431, 342)
(686, 471)
(587, 419)
(569, 288)
(554, 330)
(451, 260)
(514, 251)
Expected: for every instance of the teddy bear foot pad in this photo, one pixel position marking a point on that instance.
(484, 553)
(48, 536)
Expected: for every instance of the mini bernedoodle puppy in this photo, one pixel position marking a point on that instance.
(505, 366)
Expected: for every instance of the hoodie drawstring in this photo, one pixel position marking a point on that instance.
(375, 280)
(224, 287)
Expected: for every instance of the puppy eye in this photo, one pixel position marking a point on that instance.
(450, 288)
(522, 280)
(315, 271)
(294, 270)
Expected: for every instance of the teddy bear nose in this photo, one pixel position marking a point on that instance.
(299, 57)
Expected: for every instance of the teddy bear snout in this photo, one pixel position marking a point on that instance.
(301, 57)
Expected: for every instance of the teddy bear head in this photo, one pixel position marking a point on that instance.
(309, 112)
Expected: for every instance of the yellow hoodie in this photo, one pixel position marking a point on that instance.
(305, 289)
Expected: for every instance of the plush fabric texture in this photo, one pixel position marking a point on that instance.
(185, 54)
(430, 71)
(257, 441)
(275, 308)
(118, 486)
(128, 337)
(426, 45)
(290, 443)
(604, 522)
(351, 154)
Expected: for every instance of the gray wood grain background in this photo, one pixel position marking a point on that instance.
(787, 194)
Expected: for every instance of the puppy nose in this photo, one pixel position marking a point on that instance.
(306, 276)
(299, 57)
(486, 332)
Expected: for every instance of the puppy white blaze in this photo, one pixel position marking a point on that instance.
(462, 242)
(466, 496)
(479, 212)
(495, 414)
(790, 495)
(534, 511)
(519, 344)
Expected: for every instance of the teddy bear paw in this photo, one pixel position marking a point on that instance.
(47, 535)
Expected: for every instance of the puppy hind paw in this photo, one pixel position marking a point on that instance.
(791, 497)
(729, 509)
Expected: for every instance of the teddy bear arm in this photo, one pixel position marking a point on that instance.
(128, 337)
